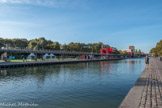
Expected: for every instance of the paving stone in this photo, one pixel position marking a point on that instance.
(146, 93)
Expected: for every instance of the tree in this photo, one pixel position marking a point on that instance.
(158, 49)
(42, 43)
(32, 44)
(139, 52)
(123, 52)
(55, 46)
(2, 43)
(19, 43)
(136, 51)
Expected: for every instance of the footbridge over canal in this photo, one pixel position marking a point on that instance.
(24, 53)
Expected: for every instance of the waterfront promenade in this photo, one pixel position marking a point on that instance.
(147, 91)
(39, 63)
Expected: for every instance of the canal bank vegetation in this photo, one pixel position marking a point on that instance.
(136, 52)
(42, 43)
(158, 49)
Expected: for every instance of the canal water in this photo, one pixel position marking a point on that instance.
(81, 85)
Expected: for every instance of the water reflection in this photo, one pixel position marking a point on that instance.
(105, 65)
(79, 85)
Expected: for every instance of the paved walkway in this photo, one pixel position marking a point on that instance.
(147, 91)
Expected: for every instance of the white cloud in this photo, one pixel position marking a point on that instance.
(52, 3)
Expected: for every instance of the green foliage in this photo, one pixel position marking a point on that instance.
(20, 42)
(32, 44)
(16, 43)
(53, 46)
(123, 52)
(158, 49)
(138, 52)
(42, 43)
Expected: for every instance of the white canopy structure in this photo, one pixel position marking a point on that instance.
(52, 56)
(45, 56)
(31, 56)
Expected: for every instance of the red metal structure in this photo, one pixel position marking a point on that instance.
(106, 50)
(129, 53)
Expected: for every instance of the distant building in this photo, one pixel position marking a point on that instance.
(127, 50)
(130, 51)
(132, 48)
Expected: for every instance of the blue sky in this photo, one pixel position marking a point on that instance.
(119, 23)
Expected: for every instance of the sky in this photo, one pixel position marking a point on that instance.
(119, 23)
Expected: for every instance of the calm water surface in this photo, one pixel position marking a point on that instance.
(81, 85)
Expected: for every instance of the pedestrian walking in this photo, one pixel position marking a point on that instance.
(147, 61)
